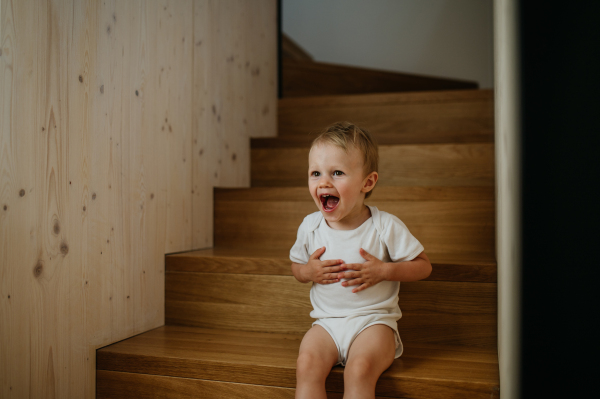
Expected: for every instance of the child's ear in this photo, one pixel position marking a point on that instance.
(369, 182)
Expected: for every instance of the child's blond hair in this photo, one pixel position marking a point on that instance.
(346, 134)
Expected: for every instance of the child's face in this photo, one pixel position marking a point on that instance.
(337, 183)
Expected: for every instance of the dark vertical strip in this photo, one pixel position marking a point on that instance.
(279, 52)
(560, 68)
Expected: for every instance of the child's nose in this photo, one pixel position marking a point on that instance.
(324, 181)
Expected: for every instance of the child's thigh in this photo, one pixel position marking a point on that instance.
(373, 350)
(318, 346)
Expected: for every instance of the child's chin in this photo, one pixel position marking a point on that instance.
(330, 217)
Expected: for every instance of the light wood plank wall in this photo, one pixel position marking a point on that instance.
(117, 118)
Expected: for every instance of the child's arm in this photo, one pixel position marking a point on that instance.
(374, 271)
(316, 270)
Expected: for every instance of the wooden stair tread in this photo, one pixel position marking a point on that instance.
(270, 359)
(466, 164)
(275, 261)
(309, 78)
(416, 117)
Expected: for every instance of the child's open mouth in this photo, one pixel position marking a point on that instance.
(330, 202)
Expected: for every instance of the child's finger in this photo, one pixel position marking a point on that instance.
(361, 287)
(332, 262)
(329, 281)
(366, 255)
(349, 275)
(333, 269)
(317, 254)
(356, 281)
(353, 266)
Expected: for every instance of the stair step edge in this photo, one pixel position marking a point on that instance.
(252, 261)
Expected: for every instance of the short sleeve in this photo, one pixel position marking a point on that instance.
(401, 244)
(299, 252)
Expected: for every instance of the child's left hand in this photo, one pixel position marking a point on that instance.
(366, 275)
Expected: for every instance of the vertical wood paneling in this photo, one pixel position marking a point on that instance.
(234, 96)
(261, 62)
(104, 107)
(17, 94)
(175, 102)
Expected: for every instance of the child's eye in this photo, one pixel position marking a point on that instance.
(315, 174)
(338, 173)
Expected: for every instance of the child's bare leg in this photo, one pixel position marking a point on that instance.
(371, 353)
(318, 354)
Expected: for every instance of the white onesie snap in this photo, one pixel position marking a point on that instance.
(341, 312)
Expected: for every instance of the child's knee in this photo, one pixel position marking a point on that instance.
(311, 365)
(360, 369)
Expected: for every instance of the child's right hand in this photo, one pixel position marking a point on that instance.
(321, 272)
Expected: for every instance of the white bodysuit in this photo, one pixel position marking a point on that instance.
(342, 313)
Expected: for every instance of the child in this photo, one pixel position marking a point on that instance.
(356, 256)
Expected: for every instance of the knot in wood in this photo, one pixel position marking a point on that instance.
(37, 270)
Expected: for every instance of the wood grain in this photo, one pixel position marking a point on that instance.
(234, 97)
(175, 47)
(275, 261)
(399, 165)
(452, 227)
(305, 140)
(112, 384)
(433, 312)
(307, 78)
(96, 175)
(418, 117)
(383, 194)
(423, 371)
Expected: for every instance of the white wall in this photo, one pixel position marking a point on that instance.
(445, 38)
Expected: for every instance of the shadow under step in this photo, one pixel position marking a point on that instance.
(181, 362)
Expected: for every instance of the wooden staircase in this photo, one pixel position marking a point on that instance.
(235, 315)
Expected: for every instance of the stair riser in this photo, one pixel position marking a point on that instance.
(306, 78)
(399, 165)
(441, 226)
(117, 385)
(430, 117)
(433, 312)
